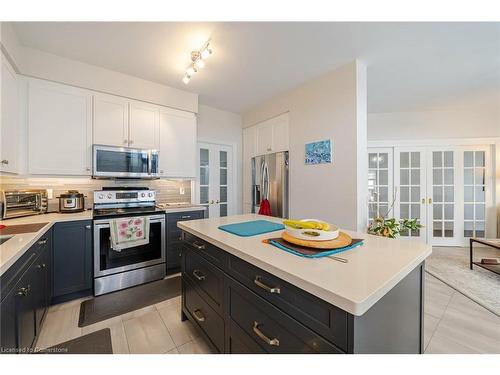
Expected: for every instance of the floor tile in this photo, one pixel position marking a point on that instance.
(198, 346)
(181, 332)
(138, 313)
(442, 344)
(148, 334)
(172, 301)
(430, 325)
(173, 351)
(59, 326)
(437, 296)
(68, 305)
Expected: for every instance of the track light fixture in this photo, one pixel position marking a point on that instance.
(197, 62)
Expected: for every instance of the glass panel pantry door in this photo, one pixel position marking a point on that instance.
(215, 179)
(410, 188)
(443, 195)
(380, 188)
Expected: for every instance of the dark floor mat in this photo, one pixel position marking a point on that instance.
(110, 305)
(98, 342)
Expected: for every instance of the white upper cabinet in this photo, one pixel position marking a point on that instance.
(272, 135)
(144, 125)
(9, 123)
(177, 143)
(59, 129)
(280, 133)
(110, 120)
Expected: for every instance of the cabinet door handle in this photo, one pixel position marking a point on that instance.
(22, 292)
(5, 161)
(125, 141)
(43, 241)
(198, 315)
(258, 281)
(131, 141)
(87, 226)
(260, 334)
(199, 275)
(199, 246)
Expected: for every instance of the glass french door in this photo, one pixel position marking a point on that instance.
(448, 189)
(215, 176)
(410, 188)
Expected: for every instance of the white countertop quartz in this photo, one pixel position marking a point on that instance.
(15, 247)
(373, 269)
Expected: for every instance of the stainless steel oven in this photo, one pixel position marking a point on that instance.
(124, 162)
(115, 270)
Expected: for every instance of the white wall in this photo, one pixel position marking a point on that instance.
(472, 116)
(331, 106)
(39, 64)
(217, 126)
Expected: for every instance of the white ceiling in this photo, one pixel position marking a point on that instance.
(410, 65)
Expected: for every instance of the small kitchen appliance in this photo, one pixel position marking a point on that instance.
(116, 269)
(16, 203)
(71, 201)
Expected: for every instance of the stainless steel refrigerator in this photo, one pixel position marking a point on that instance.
(270, 181)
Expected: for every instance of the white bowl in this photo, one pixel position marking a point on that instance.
(313, 234)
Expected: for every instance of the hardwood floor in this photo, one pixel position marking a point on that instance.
(453, 324)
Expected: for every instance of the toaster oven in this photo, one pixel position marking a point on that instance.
(16, 203)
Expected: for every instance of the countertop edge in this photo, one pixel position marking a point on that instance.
(36, 236)
(356, 308)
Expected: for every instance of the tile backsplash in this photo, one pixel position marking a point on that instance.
(168, 191)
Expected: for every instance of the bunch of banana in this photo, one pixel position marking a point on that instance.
(297, 224)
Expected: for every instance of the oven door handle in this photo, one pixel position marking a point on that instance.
(106, 225)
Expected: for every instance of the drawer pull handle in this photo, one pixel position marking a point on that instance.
(22, 292)
(186, 217)
(198, 315)
(199, 275)
(199, 246)
(42, 242)
(260, 334)
(267, 288)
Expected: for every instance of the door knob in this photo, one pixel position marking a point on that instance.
(212, 201)
(217, 201)
(430, 201)
(423, 200)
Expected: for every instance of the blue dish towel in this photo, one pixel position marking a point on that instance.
(252, 228)
(319, 254)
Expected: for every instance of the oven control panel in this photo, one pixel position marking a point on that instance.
(124, 196)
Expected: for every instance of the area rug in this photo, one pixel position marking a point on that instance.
(121, 302)
(451, 266)
(98, 342)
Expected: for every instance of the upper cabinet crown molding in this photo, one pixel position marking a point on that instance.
(9, 123)
(59, 129)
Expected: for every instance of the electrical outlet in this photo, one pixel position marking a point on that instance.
(50, 194)
(181, 190)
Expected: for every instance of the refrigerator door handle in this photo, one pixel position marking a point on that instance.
(265, 185)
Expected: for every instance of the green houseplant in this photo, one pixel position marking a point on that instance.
(391, 227)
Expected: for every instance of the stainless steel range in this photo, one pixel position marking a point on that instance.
(119, 269)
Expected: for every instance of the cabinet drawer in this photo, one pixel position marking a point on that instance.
(205, 249)
(174, 217)
(204, 316)
(270, 328)
(323, 318)
(208, 278)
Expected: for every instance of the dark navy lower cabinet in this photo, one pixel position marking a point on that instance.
(237, 308)
(72, 260)
(174, 240)
(25, 297)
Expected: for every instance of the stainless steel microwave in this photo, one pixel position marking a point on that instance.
(124, 162)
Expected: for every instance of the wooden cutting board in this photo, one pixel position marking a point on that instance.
(21, 228)
(342, 240)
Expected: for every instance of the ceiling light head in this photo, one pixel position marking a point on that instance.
(186, 79)
(200, 64)
(206, 52)
(191, 70)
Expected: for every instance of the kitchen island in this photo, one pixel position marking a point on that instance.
(248, 296)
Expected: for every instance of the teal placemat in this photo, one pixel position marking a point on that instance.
(305, 252)
(252, 228)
